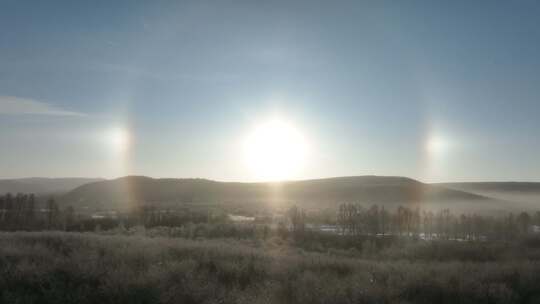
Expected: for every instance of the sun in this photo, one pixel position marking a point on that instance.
(275, 150)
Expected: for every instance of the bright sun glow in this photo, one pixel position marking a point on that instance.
(275, 150)
(437, 145)
(119, 139)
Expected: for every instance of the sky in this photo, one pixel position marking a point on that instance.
(433, 90)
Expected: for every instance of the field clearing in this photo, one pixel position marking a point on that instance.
(58, 267)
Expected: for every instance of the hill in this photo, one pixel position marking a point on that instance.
(39, 185)
(527, 193)
(126, 191)
(521, 187)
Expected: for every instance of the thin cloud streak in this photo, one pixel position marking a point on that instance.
(11, 105)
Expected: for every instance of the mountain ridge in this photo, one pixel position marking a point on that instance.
(43, 185)
(495, 186)
(369, 189)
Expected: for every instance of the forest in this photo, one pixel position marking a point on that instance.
(21, 212)
(352, 254)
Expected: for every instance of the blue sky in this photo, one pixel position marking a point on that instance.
(434, 90)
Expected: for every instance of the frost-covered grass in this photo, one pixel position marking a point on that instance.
(55, 267)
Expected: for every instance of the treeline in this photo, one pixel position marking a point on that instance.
(355, 219)
(25, 212)
(22, 212)
(150, 216)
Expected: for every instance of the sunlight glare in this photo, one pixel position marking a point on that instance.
(437, 146)
(119, 139)
(275, 151)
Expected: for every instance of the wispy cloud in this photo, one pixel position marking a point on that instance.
(10, 105)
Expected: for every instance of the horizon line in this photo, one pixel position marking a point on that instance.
(268, 181)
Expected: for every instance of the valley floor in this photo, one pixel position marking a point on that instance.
(59, 267)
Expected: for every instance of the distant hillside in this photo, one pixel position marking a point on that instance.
(519, 192)
(126, 191)
(38, 185)
(522, 187)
